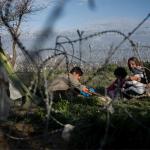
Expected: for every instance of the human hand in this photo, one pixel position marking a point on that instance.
(86, 90)
(127, 78)
(90, 91)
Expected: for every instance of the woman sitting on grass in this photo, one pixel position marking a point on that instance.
(134, 85)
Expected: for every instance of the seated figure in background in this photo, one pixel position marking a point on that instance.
(114, 90)
(134, 84)
(68, 85)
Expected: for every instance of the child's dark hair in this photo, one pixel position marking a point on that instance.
(120, 72)
(76, 70)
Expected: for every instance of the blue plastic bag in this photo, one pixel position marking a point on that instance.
(86, 94)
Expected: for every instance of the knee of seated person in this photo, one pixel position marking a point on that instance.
(131, 92)
(59, 95)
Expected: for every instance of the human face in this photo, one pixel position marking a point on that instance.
(132, 64)
(77, 76)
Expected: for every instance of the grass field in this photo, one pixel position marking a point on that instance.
(122, 125)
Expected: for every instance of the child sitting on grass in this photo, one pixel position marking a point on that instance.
(114, 90)
(68, 86)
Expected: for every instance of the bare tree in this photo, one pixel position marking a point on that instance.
(14, 13)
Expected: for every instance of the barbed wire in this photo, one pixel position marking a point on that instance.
(60, 50)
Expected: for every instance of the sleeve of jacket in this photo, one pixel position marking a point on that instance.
(75, 83)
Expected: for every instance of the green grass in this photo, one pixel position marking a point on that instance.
(128, 127)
